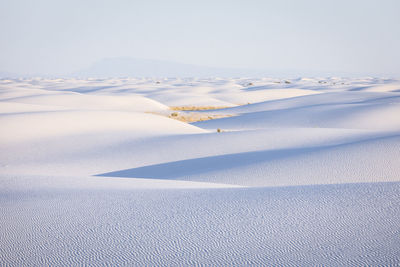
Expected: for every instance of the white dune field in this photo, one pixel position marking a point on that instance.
(302, 172)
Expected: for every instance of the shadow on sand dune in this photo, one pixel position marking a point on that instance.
(183, 168)
(174, 170)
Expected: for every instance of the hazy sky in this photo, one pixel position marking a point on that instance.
(330, 36)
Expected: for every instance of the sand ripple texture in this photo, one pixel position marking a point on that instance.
(337, 225)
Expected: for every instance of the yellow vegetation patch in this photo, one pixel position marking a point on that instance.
(194, 108)
(193, 117)
(187, 115)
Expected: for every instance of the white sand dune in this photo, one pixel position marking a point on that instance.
(374, 160)
(72, 122)
(305, 172)
(356, 116)
(330, 110)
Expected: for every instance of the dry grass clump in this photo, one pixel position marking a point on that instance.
(194, 108)
(194, 117)
(187, 115)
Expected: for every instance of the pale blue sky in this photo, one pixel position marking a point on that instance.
(360, 37)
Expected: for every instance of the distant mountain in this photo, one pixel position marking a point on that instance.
(133, 67)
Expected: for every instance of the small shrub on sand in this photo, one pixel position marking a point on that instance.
(219, 130)
(174, 114)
